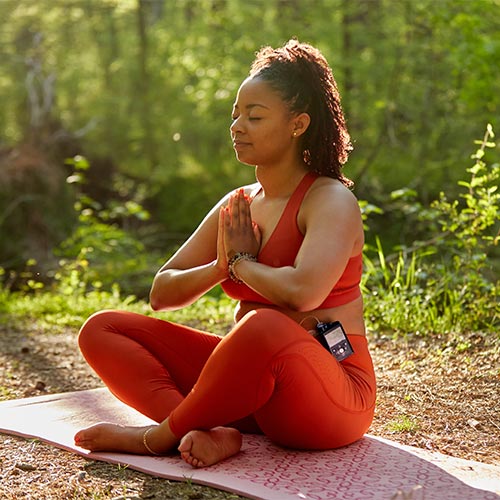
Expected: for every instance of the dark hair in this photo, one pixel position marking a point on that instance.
(301, 74)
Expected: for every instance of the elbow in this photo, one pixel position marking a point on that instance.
(155, 306)
(154, 303)
(301, 300)
(160, 305)
(155, 297)
(302, 306)
(163, 300)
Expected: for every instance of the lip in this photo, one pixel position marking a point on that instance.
(240, 144)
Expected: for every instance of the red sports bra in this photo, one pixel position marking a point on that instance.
(281, 250)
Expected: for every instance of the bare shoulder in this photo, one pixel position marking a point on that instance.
(327, 201)
(330, 194)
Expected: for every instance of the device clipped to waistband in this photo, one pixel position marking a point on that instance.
(332, 336)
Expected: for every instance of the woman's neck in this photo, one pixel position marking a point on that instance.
(279, 182)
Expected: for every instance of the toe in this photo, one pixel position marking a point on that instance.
(186, 444)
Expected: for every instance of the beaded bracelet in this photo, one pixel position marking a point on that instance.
(237, 257)
(145, 442)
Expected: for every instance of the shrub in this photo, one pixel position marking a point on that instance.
(100, 253)
(446, 283)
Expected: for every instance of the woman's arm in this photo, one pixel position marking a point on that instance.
(333, 232)
(193, 270)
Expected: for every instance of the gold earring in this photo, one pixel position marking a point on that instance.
(295, 134)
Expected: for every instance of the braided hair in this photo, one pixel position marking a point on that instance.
(302, 76)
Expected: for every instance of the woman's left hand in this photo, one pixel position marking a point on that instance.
(241, 234)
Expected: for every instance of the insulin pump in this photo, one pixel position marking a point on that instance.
(332, 336)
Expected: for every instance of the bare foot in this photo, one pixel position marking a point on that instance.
(204, 448)
(111, 437)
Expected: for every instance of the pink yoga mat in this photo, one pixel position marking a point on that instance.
(372, 468)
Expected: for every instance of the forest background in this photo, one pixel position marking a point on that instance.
(114, 142)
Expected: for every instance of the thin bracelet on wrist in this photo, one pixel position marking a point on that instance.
(238, 257)
(145, 440)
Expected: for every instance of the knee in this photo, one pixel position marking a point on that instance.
(92, 331)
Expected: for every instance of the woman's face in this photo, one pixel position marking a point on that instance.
(262, 126)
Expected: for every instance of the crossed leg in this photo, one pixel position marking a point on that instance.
(131, 353)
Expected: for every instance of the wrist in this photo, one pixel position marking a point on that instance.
(220, 270)
(235, 260)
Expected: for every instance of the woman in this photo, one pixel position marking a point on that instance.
(289, 249)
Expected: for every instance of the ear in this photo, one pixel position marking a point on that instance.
(300, 124)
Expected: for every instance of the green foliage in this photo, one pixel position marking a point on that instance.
(100, 253)
(150, 85)
(468, 225)
(101, 263)
(446, 283)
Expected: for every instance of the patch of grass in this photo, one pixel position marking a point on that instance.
(5, 393)
(403, 423)
(210, 313)
(55, 311)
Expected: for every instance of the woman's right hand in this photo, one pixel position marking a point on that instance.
(236, 232)
(241, 233)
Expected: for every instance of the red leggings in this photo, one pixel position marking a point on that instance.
(267, 375)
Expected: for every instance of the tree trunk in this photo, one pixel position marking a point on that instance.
(143, 86)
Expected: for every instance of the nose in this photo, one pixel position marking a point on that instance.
(235, 126)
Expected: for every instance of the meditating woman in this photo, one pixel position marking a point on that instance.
(288, 248)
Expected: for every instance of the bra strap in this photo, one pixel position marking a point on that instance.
(300, 192)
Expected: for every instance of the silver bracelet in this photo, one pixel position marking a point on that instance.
(238, 257)
(145, 442)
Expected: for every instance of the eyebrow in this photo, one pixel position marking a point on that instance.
(250, 106)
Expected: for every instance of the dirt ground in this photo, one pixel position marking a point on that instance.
(442, 396)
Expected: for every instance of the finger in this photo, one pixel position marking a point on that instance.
(236, 211)
(233, 207)
(220, 233)
(220, 227)
(245, 212)
(256, 232)
(226, 216)
(238, 200)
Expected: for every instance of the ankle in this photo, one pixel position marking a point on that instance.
(158, 439)
(145, 441)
